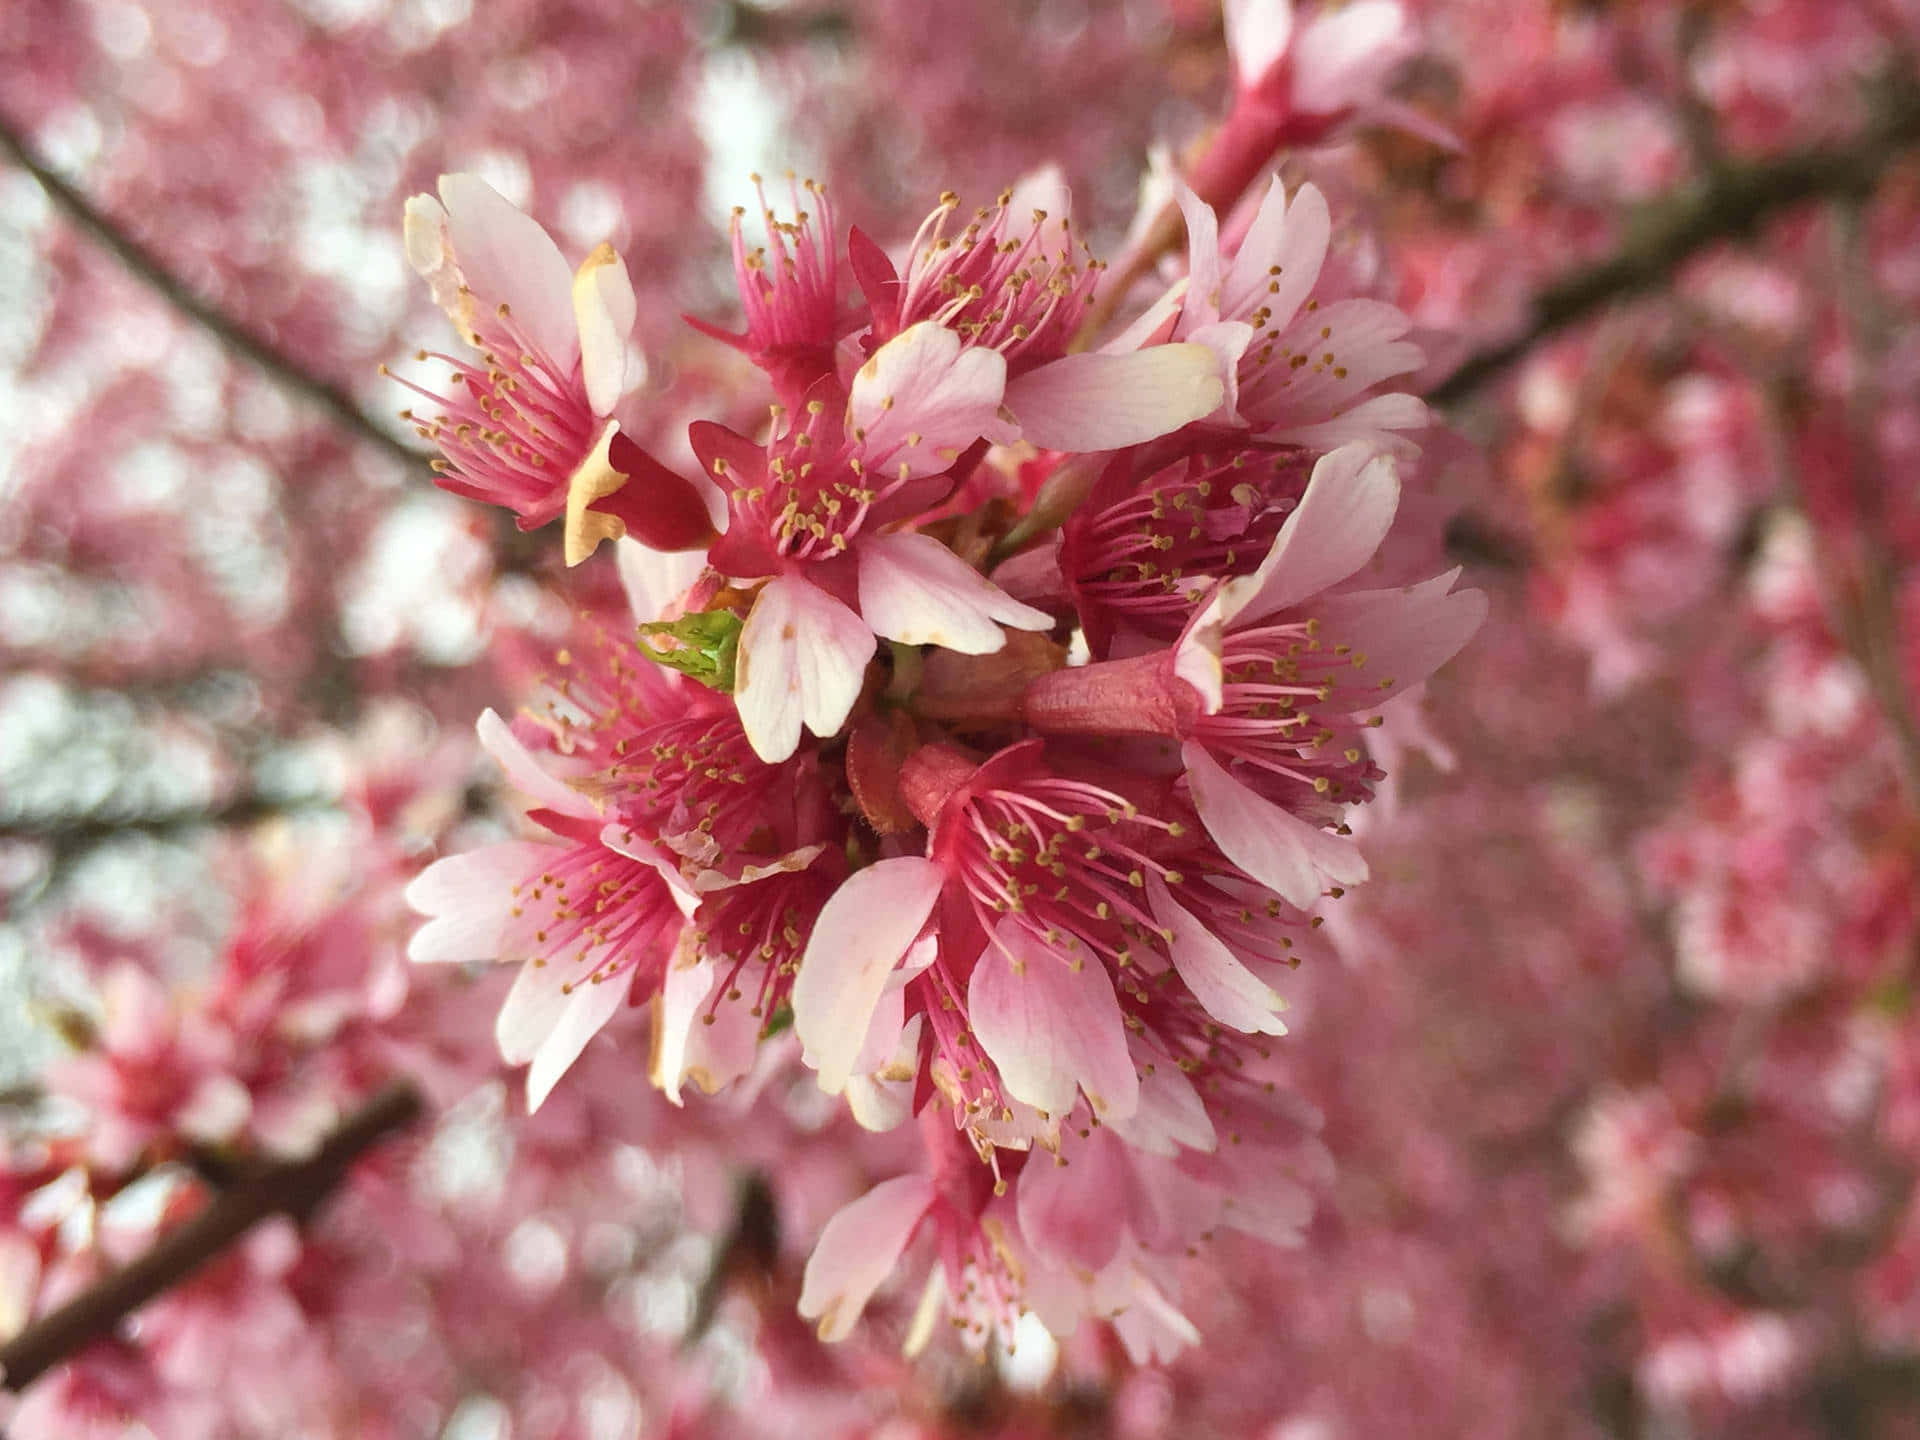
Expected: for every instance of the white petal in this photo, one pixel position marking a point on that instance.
(655, 579)
(604, 309)
(507, 259)
(802, 657)
(1051, 1029)
(1196, 660)
(589, 1008)
(1290, 857)
(549, 1020)
(923, 397)
(915, 590)
(1258, 32)
(469, 899)
(1226, 989)
(1106, 402)
(430, 253)
(883, 1099)
(1339, 523)
(857, 1251)
(676, 1015)
(860, 936)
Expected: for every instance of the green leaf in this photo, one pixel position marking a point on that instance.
(700, 646)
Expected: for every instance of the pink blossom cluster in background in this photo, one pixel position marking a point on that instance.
(1221, 740)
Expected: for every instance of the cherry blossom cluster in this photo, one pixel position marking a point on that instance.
(1036, 870)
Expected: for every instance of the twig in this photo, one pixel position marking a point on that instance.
(75, 832)
(130, 253)
(1723, 205)
(291, 1188)
(1872, 625)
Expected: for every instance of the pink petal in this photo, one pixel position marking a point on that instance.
(468, 899)
(604, 310)
(1226, 989)
(802, 657)
(508, 259)
(524, 772)
(1172, 1116)
(1078, 1208)
(915, 590)
(1280, 259)
(1375, 422)
(1051, 1027)
(1262, 1199)
(923, 397)
(1405, 635)
(884, 1024)
(1290, 857)
(1202, 305)
(1339, 523)
(857, 1251)
(1106, 402)
(1344, 58)
(1367, 342)
(1155, 323)
(1045, 190)
(1402, 116)
(883, 1098)
(860, 936)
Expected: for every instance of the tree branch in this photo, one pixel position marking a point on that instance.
(68, 831)
(1727, 203)
(293, 1188)
(163, 282)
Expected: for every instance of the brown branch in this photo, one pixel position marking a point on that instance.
(77, 831)
(1729, 203)
(163, 282)
(1870, 623)
(293, 1188)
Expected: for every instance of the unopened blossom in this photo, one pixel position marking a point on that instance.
(530, 426)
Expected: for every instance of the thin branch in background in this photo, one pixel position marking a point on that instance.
(294, 1188)
(1871, 626)
(1726, 204)
(78, 831)
(130, 253)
